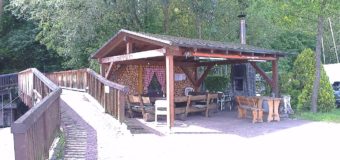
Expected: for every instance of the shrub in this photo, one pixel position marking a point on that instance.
(216, 83)
(300, 84)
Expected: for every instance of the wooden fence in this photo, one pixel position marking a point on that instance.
(35, 131)
(8, 80)
(109, 94)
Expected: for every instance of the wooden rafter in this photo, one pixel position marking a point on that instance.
(230, 56)
(189, 75)
(109, 71)
(134, 56)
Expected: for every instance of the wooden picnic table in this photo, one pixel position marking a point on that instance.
(273, 107)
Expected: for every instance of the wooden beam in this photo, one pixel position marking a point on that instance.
(175, 51)
(275, 77)
(204, 75)
(229, 56)
(133, 56)
(169, 59)
(220, 62)
(109, 71)
(189, 75)
(102, 69)
(262, 73)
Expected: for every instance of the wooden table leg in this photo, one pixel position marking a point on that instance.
(260, 111)
(270, 110)
(260, 116)
(276, 110)
(254, 116)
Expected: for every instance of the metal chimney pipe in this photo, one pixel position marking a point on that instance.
(242, 28)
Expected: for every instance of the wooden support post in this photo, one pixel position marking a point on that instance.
(170, 89)
(109, 71)
(102, 69)
(275, 78)
(204, 75)
(128, 47)
(189, 75)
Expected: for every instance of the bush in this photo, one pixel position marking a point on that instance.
(300, 84)
(216, 83)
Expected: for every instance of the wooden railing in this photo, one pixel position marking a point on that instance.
(109, 94)
(8, 80)
(35, 131)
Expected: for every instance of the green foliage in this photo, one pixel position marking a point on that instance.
(300, 84)
(19, 50)
(216, 83)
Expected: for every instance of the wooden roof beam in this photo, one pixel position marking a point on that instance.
(229, 56)
(262, 73)
(134, 56)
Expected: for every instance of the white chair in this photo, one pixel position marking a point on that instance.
(187, 90)
(162, 108)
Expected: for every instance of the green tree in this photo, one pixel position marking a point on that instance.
(18, 48)
(300, 84)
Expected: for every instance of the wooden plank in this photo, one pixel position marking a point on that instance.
(170, 89)
(262, 73)
(230, 56)
(133, 56)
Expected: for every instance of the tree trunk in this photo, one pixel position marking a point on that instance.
(318, 65)
(166, 5)
(1, 3)
(198, 27)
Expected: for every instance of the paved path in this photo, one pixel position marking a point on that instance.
(6, 144)
(77, 135)
(90, 132)
(307, 140)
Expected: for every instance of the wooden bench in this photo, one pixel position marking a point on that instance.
(140, 105)
(201, 103)
(249, 103)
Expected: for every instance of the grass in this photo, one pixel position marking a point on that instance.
(59, 154)
(333, 116)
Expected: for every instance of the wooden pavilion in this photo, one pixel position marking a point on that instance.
(132, 58)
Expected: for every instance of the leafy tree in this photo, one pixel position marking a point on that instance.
(19, 49)
(300, 84)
